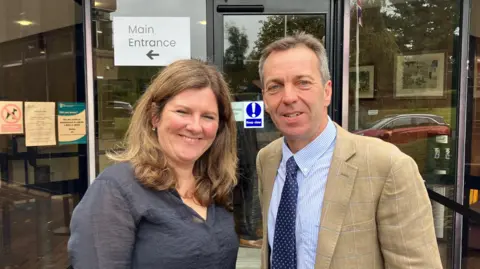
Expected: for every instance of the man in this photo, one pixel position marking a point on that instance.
(331, 199)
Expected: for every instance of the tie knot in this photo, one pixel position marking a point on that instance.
(291, 165)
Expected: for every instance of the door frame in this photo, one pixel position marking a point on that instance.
(337, 42)
(334, 36)
(461, 131)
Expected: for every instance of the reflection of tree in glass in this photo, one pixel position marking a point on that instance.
(234, 58)
(392, 28)
(273, 28)
(377, 43)
(235, 53)
(242, 70)
(419, 25)
(423, 25)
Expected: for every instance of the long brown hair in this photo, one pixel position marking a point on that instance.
(215, 170)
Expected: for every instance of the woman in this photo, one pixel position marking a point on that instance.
(165, 203)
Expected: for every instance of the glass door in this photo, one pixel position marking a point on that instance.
(471, 237)
(240, 33)
(43, 157)
(118, 86)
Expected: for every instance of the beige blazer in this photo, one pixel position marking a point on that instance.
(376, 212)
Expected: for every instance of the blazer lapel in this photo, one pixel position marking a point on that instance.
(340, 181)
(269, 173)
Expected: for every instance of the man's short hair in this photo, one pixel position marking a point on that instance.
(290, 42)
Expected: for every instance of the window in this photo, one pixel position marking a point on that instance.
(400, 123)
(424, 122)
(403, 55)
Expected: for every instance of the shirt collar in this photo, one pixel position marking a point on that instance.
(306, 157)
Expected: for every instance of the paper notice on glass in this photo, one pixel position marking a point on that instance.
(237, 108)
(39, 124)
(71, 123)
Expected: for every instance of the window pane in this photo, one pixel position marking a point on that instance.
(119, 87)
(39, 185)
(403, 57)
(245, 37)
(471, 255)
(401, 123)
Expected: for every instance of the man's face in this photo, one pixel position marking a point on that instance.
(295, 96)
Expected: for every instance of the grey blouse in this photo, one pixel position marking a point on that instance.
(121, 224)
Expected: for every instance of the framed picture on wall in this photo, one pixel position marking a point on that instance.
(420, 75)
(366, 79)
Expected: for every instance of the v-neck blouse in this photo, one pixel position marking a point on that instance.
(121, 224)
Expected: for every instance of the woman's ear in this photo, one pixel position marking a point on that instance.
(154, 124)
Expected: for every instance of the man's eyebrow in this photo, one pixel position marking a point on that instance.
(303, 76)
(277, 80)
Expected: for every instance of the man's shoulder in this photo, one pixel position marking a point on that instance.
(374, 148)
(272, 147)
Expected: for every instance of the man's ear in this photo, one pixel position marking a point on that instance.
(265, 106)
(327, 93)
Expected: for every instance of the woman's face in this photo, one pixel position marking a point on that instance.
(188, 125)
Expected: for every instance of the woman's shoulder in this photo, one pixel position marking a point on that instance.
(123, 169)
(120, 175)
(223, 211)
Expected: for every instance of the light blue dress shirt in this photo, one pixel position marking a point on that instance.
(313, 162)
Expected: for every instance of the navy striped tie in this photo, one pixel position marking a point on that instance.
(284, 244)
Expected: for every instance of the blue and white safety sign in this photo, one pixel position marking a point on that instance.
(253, 114)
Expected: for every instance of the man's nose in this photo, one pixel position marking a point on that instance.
(290, 94)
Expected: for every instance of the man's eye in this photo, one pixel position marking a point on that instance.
(273, 88)
(304, 82)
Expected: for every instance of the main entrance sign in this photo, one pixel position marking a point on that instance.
(150, 41)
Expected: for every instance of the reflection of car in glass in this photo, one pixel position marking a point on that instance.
(405, 128)
(121, 104)
(122, 109)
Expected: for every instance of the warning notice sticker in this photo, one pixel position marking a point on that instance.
(11, 117)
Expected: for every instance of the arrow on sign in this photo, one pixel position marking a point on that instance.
(150, 54)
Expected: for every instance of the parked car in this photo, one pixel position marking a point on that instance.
(406, 128)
